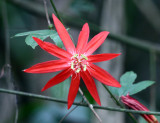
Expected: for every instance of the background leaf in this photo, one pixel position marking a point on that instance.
(140, 86)
(127, 81)
(128, 78)
(29, 40)
(41, 34)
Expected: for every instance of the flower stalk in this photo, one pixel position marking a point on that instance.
(136, 105)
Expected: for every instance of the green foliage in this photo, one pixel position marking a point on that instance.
(127, 81)
(41, 34)
(83, 6)
(61, 90)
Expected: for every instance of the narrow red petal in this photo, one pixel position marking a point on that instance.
(136, 105)
(52, 49)
(83, 38)
(95, 42)
(49, 66)
(63, 34)
(73, 89)
(102, 76)
(102, 57)
(91, 86)
(58, 78)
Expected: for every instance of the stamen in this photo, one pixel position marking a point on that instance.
(72, 65)
(78, 70)
(75, 56)
(84, 67)
(83, 56)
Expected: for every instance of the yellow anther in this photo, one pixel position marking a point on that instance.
(84, 67)
(83, 56)
(75, 56)
(72, 65)
(78, 70)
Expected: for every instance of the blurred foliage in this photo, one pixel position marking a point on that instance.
(83, 6)
(41, 34)
(128, 87)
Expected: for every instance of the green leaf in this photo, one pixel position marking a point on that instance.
(29, 40)
(61, 90)
(55, 37)
(140, 86)
(39, 32)
(128, 78)
(127, 81)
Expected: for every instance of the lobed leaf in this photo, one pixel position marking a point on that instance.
(127, 81)
(41, 34)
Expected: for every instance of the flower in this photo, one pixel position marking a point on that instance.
(134, 104)
(75, 62)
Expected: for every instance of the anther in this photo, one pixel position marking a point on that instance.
(75, 56)
(83, 56)
(72, 65)
(84, 67)
(78, 70)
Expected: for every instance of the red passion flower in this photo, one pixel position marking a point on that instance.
(136, 105)
(76, 62)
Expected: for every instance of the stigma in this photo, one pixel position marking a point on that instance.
(79, 62)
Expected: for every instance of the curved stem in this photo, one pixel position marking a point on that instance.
(54, 7)
(119, 104)
(37, 96)
(90, 106)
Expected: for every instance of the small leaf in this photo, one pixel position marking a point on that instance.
(39, 32)
(114, 90)
(55, 37)
(127, 81)
(128, 78)
(139, 87)
(29, 40)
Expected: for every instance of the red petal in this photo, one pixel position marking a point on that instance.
(49, 66)
(83, 38)
(102, 76)
(95, 42)
(102, 57)
(73, 89)
(63, 34)
(91, 86)
(58, 78)
(136, 105)
(52, 49)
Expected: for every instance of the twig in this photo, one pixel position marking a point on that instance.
(70, 111)
(119, 104)
(144, 45)
(55, 10)
(37, 96)
(90, 105)
(7, 53)
(153, 77)
(47, 16)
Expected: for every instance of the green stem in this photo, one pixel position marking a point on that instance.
(153, 77)
(37, 96)
(119, 104)
(54, 7)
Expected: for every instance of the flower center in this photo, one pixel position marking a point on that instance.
(79, 62)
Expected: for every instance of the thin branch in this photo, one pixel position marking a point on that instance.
(153, 77)
(7, 53)
(47, 16)
(119, 104)
(54, 7)
(37, 96)
(90, 105)
(77, 22)
(70, 111)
